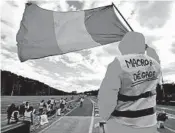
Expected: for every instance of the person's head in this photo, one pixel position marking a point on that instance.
(27, 103)
(12, 106)
(132, 43)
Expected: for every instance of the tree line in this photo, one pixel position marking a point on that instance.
(15, 85)
(166, 94)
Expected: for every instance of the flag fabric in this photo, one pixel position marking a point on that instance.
(45, 33)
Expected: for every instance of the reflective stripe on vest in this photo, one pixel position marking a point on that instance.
(41, 105)
(137, 95)
(125, 98)
(27, 116)
(134, 114)
(13, 114)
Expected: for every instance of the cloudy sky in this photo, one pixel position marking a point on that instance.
(84, 70)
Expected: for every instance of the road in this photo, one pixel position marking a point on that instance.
(82, 120)
(169, 124)
(77, 121)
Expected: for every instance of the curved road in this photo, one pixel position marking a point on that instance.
(78, 121)
(82, 120)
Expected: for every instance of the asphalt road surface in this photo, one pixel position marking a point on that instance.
(77, 121)
(82, 120)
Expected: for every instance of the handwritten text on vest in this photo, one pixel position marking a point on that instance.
(140, 75)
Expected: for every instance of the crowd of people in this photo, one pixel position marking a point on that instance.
(39, 114)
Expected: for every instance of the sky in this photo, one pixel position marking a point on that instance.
(84, 70)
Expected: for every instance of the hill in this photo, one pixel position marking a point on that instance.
(12, 84)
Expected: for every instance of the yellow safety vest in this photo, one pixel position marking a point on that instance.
(41, 105)
(12, 115)
(28, 115)
(137, 96)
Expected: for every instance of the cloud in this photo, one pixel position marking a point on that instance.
(64, 5)
(78, 5)
(73, 57)
(12, 3)
(169, 78)
(7, 23)
(150, 39)
(153, 14)
(169, 72)
(3, 37)
(84, 70)
(112, 49)
(173, 47)
(163, 47)
(85, 53)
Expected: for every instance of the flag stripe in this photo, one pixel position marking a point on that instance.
(103, 25)
(70, 27)
(44, 33)
(36, 37)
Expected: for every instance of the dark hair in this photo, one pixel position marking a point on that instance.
(48, 102)
(27, 103)
(11, 107)
(30, 108)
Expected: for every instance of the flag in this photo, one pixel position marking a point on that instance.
(45, 33)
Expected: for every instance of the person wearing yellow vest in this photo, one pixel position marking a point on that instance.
(29, 114)
(127, 95)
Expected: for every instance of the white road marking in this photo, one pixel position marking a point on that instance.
(57, 120)
(170, 129)
(92, 118)
(164, 108)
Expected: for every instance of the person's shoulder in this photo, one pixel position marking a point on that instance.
(115, 64)
(151, 52)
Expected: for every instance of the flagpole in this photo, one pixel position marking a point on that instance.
(132, 30)
(122, 16)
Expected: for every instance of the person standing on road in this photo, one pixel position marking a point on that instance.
(22, 109)
(29, 114)
(27, 105)
(127, 95)
(52, 102)
(10, 113)
(62, 104)
(41, 106)
(81, 101)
